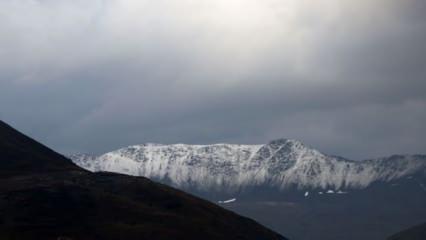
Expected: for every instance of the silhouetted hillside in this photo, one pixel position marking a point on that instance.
(44, 196)
(20, 154)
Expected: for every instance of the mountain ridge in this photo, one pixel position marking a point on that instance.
(282, 163)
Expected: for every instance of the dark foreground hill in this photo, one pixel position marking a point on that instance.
(44, 196)
(414, 233)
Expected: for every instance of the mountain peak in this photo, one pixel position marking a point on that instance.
(281, 163)
(285, 141)
(289, 144)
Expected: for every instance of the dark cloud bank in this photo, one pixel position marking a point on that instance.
(92, 76)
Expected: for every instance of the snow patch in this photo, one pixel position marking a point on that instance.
(227, 201)
(231, 167)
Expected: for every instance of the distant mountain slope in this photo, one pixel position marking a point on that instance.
(287, 186)
(414, 233)
(281, 164)
(44, 196)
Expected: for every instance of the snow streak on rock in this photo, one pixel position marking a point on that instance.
(281, 164)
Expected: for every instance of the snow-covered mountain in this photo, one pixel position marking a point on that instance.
(280, 164)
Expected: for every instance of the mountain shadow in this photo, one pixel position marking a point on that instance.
(44, 196)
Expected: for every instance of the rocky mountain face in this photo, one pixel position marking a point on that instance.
(44, 196)
(281, 164)
(286, 185)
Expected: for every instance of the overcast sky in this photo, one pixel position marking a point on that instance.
(346, 77)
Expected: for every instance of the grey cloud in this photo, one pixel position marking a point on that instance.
(346, 77)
